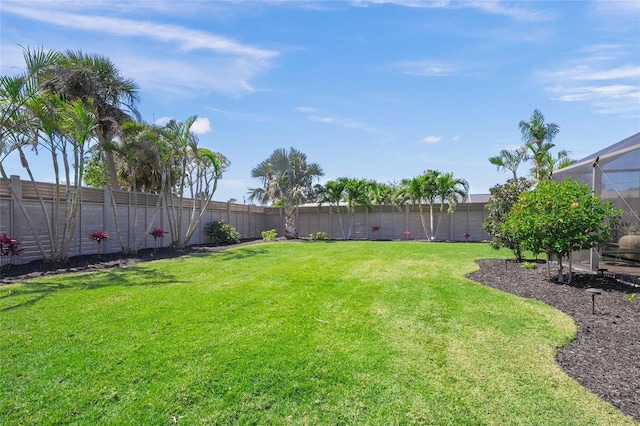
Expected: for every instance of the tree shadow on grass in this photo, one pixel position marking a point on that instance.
(239, 254)
(29, 293)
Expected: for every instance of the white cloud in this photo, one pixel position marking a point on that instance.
(344, 122)
(306, 109)
(162, 121)
(426, 68)
(172, 59)
(187, 38)
(314, 115)
(604, 78)
(493, 7)
(431, 139)
(201, 126)
(455, 138)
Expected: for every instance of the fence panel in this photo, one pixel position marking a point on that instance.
(137, 212)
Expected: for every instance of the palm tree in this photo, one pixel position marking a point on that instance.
(452, 190)
(381, 194)
(418, 190)
(196, 171)
(94, 78)
(286, 177)
(561, 161)
(510, 159)
(538, 137)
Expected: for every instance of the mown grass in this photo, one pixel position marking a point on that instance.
(288, 333)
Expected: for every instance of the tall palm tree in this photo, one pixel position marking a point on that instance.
(286, 177)
(419, 190)
(510, 159)
(381, 194)
(451, 190)
(94, 78)
(538, 137)
(351, 192)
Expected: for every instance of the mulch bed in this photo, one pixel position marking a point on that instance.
(604, 358)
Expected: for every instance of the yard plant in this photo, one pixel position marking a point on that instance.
(297, 332)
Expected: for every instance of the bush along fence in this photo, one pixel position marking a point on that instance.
(140, 220)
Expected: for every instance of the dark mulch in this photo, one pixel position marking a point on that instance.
(93, 262)
(605, 356)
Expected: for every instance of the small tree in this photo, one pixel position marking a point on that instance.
(558, 218)
(500, 204)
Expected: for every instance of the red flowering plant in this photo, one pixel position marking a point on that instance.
(466, 236)
(157, 233)
(405, 234)
(99, 236)
(8, 248)
(375, 228)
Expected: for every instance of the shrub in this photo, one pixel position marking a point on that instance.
(320, 235)
(222, 233)
(269, 235)
(499, 207)
(529, 265)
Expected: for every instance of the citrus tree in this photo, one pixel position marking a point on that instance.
(557, 218)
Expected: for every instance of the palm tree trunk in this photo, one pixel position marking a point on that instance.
(290, 222)
(432, 236)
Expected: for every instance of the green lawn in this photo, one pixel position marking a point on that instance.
(375, 333)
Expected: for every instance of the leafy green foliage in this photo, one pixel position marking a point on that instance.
(557, 218)
(222, 233)
(503, 198)
(320, 235)
(269, 235)
(287, 180)
(529, 265)
(351, 192)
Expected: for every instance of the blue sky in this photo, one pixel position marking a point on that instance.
(368, 89)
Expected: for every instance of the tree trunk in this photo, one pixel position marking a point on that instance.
(560, 271)
(290, 229)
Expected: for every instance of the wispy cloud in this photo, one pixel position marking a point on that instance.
(426, 68)
(306, 109)
(315, 115)
(243, 115)
(186, 38)
(344, 122)
(603, 77)
(189, 57)
(431, 139)
(493, 7)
